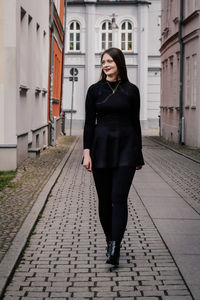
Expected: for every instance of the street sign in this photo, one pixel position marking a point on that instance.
(73, 78)
(73, 71)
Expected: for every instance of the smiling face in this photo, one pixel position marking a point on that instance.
(109, 67)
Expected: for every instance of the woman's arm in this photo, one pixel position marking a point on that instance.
(140, 159)
(88, 134)
(87, 161)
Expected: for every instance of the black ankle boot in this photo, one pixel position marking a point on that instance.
(108, 247)
(113, 253)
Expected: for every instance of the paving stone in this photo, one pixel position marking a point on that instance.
(153, 293)
(178, 298)
(129, 293)
(83, 295)
(60, 295)
(106, 294)
(11, 298)
(178, 292)
(147, 298)
(37, 294)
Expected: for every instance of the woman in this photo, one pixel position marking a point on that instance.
(112, 145)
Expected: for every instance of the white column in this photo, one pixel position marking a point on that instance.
(115, 41)
(8, 91)
(143, 14)
(90, 45)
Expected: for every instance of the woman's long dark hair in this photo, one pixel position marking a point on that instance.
(118, 57)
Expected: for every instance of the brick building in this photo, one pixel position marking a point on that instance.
(56, 56)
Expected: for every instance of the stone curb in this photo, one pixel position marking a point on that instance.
(11, 257)
(174, 150)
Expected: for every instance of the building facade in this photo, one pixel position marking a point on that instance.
(56, 56)
(180, 57)
(132, 26)
(24, 76)
(57, 33)
(24, 79)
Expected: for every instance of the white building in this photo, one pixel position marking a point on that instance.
(180, 110)
(24, 58)
(134, 27)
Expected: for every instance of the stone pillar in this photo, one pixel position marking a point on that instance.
(143, 14)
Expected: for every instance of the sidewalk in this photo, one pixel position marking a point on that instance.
(65, 256)
(20, 205)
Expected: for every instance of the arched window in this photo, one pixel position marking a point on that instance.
(106, 35)
(74, 36)
(126, 36)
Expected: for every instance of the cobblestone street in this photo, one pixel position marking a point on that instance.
(65, 254)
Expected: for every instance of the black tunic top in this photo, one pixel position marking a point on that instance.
(112, 129)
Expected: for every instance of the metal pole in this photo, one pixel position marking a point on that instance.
(180, 140)
(72, 104)
(63, 64)
(52, 140)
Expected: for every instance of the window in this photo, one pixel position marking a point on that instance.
(194, 80)
(74, 36)
(187, 96)
(126, 36)
(106, 35)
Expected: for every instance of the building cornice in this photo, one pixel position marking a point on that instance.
(154, 69)
(154, 56)
(103, 3)
(195, 14)
(8, 146)
(193, 34)
(169, 41)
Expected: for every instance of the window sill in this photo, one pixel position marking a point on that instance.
(44, 92)
(75, 52)
(23, 89)
(37, 91)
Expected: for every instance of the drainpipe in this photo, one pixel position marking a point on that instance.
(181, 123)
(63, 64)
(52, 139)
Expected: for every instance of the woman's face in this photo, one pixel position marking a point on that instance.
(109, 66)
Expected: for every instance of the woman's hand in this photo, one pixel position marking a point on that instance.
(138, 167)
(87, 161)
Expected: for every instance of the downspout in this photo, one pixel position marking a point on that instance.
(63, 62)
(52, 140)
(180, 37)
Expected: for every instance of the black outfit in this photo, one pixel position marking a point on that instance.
(112, 133)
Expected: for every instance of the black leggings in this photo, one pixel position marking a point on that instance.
(113, 186)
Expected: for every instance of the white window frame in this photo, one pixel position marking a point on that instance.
(107, 31)
(73, 32)
(194, 80)
(126, 32)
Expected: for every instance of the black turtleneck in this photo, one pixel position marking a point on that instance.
(114, 113)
